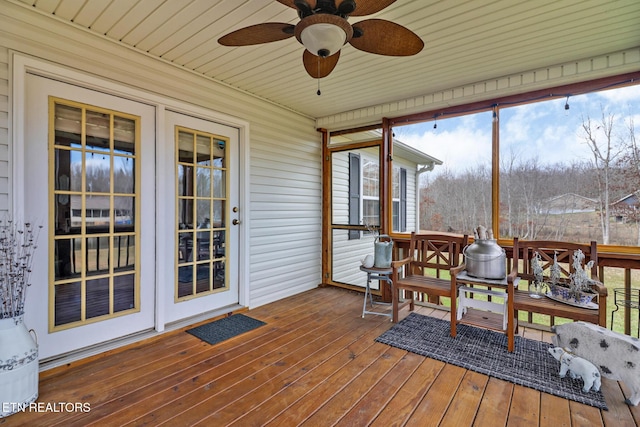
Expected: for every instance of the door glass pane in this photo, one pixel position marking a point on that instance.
(97, 255)
(67, 304)
(218, 151)
(98, 173)
(98, 127)
(124, 292)
(124, 134)
(185, 147)
(124, 252)
(123, 176)
(204, 182)
(201, 184)
(94, 231)
(68, 126)
(203, 145)
(68, 258)
(97, 297)
(219, 183)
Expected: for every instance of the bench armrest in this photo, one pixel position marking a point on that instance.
(599, 288)
(456, 270)
(400, 263)
(512, 274)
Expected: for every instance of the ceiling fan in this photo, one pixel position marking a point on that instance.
(323, 30)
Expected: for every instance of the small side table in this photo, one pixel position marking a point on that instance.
(373, 273)
(495, 321)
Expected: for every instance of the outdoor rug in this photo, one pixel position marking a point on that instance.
(485, 351)
(225, 328)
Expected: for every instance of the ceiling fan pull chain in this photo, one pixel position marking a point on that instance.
(318, 92)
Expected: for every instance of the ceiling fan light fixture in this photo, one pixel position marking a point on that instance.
(323, 34)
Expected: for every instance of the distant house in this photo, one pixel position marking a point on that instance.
(569, 203)
(626, 208)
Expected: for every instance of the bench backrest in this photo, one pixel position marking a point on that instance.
(435, 251)
(564, 252)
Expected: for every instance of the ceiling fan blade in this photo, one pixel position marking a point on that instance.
(258, 34)
(291, 3)
(318, 67)
(367, 7)
(385, 38)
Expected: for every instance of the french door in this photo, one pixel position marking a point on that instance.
(89, 180)
(204, 182)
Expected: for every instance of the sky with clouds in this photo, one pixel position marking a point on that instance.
(543, 130)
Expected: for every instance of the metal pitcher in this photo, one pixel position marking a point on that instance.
(383, 252)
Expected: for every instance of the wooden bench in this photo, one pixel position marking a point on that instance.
(564, 251)
(430, 256)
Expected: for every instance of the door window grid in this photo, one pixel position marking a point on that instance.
(201, 213)
(93, 229)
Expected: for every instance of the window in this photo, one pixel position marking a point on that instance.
(367, 183)
(370, 192)
(399, 199)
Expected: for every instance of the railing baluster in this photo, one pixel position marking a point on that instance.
(627, 292)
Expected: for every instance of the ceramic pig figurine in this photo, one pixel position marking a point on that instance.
(577, 368)
(617, 356)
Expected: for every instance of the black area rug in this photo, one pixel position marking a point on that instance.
(225, 328)
(485, 351)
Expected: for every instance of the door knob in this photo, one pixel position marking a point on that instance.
(235, 222)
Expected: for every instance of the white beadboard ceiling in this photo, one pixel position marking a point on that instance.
(466, 41)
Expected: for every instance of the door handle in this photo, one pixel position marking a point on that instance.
(235, 222)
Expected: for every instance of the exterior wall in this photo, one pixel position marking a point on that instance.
(284, 179)
(606, 65)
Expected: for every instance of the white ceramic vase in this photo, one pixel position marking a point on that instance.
(18, 366)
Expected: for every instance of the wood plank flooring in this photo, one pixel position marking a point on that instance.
(315, 363)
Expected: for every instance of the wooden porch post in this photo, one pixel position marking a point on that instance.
(385, 189)
(326, 208)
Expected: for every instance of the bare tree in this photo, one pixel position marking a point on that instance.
(599, 137)
(630, 166)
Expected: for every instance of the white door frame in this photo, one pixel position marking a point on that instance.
(23, 64)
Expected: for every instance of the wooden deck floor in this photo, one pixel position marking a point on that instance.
(315, 363)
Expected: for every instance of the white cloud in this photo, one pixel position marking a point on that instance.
(459, 147)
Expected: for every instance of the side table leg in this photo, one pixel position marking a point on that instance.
(367, 291)
(454, 312)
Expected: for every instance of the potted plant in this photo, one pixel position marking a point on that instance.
(18, 349)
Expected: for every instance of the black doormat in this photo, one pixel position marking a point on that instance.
(225, 328)
(485, 351)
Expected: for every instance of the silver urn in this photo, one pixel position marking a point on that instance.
(484, 258)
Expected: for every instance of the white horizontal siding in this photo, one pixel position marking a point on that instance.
(284, 148)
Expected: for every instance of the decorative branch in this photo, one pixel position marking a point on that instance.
(17, 246)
